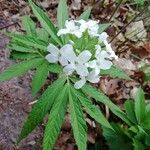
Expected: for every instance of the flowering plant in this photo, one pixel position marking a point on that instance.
(78, 52)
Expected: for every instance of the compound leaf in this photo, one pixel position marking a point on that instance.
(55, 120)
(20, 69)
(41, 108)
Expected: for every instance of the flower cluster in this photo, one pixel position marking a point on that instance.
(86, 65)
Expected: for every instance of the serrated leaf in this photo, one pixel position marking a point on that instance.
(129, 108)
(45, 22)
(39, 77)
(55, 120)
(86, 14)
(117, 139)
(55, 68)
(23, 56)
(137, 145)
(100, 97)
(41, 108)
(42, 34)
(92, 110)
(19, 48)
(29, 26)
(62, 13)
(78, 122)
(20, 68)
(115, 72)
(29, 41)
(140, 106)
(103, 27)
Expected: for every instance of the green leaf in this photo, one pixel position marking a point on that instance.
(92, 110)
(42, 34)
(55, 120)
(29, 41)
(55, 68)
(78, 122)
(137, 145)
(23, 56)
(115, 72)
(100, 97)
(103, 27)
(117, 139)
(39, 78)
(29, 26)
(41, 108)
(147, 76)
(140, 106)
(62, 13)
(20, 68)
(19, 48)
(86, 14)
(45, 22)
(129, 107)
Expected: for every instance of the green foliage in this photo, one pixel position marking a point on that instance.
(45, 22)
(140, 107)
(91, 109)
(78, 121)
(62, 13)
(86, 14)
(42, 107)
(29, 26)
(100, 97)
(40, 77)
(135, 136)
(103, 27)
(20, 69)
(32, 48)
(115, 72)
(141, 2)
(55, 121)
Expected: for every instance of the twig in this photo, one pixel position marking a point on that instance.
(113, 14)
(128, 24)
(8, 25)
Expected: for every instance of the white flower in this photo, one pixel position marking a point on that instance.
(102, 61)
(110, 50)
(92, 77)
(71, 28)
(91, 26)
(78, 64)
(60, 55)
(103, 37)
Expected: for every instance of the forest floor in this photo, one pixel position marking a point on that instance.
(15, 95)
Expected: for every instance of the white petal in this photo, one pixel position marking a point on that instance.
(62, 32)
(91, 64)
(103, 36)
(81, 70)
(103, 55)
(68, 53)
(84, 57)
(93, 77)
(71, 25)
(77, 33)
(92, 23)
(63, 61)
(51, 58)
(80, 83)
(106, 64)
(53, 49)
(69, 69)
